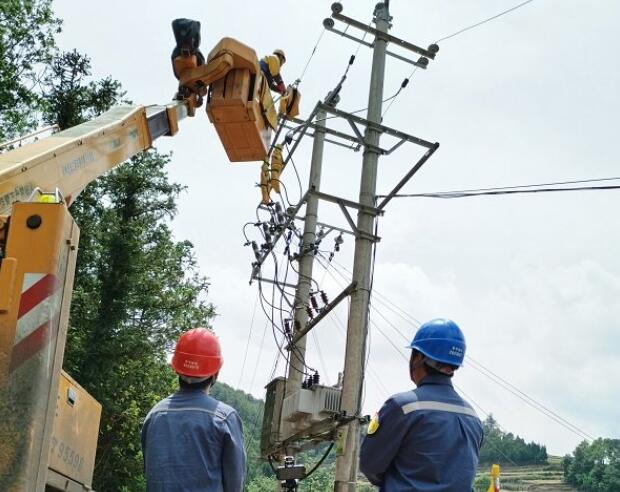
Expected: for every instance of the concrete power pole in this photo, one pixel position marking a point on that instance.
(306, 261)
(357, 328)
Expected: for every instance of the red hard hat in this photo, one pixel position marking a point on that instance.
(197, 354)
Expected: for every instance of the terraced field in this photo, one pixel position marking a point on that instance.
(533, 478)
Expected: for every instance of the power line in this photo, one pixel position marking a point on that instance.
(452, 195)
(335, 319)
(486, 414)
(535, 185)
(460, 31)
(296, 173)
(507, 386)
(247, 346)
(477, 24)
(316, 45)
(529, 400)
(458, 388)
(258, 357)
(496, 379)
(403, 85)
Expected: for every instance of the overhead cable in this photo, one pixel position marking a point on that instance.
(477, 24)
(450, 195)
(460, 31)
(576, 430)
(247, 346)
(316, 45)
(403, 85)
(516, 187)
(491, 375)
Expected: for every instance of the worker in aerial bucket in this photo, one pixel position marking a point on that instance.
(429, 438)
(192, 442)
(270, 65)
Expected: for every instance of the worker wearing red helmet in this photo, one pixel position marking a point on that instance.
(192, 442)
(270, 65)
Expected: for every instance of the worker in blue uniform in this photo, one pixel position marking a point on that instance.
(192, 442)
(427, 439)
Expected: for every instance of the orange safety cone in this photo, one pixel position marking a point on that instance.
(494, 484)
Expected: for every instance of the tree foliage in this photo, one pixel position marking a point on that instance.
(136, 288)
(594, 467)
(504, 447)
(69, 97)
(27, 29)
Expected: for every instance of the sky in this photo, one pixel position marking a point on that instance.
(533, 280)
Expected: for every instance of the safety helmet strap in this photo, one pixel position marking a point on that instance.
(439, 366)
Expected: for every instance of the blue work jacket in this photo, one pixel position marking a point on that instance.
(193, 443)
(427, 440)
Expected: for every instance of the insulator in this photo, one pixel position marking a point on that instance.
(404, 84)
(314, 302)
(279, 214)
(309, 311)
(336, 7)
(351, 60)
(328, 24)
(337, 242)
(324, 297)
(304, 384)
(316, 378)
(287, 326)
(256, 250)
(267, 234)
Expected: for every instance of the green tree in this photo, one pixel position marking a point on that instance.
(594, 467)
(136, 288)
(501, 447)
(27, 29)
(69, 98)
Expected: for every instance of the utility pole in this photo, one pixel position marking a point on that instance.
(357, 327)
(306, 261)
(315, 416)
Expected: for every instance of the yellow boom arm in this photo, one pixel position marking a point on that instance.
(71, 159)
(44, 430)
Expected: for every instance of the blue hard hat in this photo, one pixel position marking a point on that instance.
(441, 340)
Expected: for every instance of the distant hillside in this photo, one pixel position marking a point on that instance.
(505, 448)
(542, 478)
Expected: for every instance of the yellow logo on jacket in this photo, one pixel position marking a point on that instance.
(373, 425)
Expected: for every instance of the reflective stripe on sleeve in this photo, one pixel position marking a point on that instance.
(437, 405)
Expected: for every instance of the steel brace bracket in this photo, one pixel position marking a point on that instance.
(343, 203)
